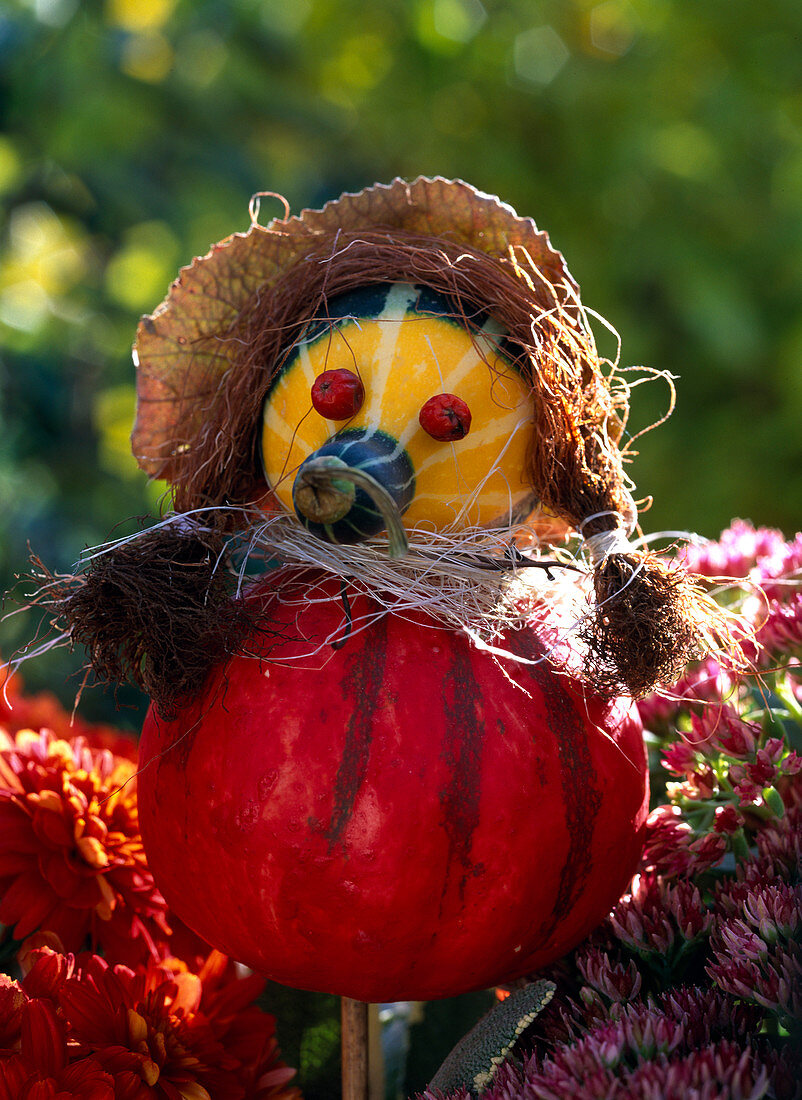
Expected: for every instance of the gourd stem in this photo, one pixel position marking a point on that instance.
(354, 1016)
(320, 473)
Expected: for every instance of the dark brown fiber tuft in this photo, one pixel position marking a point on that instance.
(649, 621)
(155, 610)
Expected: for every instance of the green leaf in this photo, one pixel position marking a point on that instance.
(474, 1061)
(773, 799)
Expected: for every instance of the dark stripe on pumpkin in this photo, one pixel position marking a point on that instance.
(463, 742)
(581, 795)
(364, 675)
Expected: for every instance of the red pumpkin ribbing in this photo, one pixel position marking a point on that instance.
(398, 799)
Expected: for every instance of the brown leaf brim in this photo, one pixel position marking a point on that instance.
(179, 358)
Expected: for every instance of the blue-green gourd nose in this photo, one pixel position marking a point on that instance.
(355, 486)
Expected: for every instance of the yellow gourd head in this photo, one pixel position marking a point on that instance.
(413, 360)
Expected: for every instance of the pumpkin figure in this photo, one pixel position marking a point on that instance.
(401, 817)
(396, 766)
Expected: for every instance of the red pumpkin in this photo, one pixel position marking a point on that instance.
(400, 816)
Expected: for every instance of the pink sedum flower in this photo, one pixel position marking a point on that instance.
(756, 948)
(780, 572)
(781, 631)
(617, 982)
(727, 820)
(736, 552)
(723, 729)
(680, 758)
(707, 682)
(660, 917)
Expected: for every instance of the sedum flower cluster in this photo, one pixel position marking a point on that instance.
(693, 985)
(106, 995)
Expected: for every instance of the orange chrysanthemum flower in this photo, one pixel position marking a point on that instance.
(162, 1032)
(71, 858)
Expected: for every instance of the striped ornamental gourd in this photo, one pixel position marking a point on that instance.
(406, 344)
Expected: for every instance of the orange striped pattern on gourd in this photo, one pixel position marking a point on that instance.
(404, 356)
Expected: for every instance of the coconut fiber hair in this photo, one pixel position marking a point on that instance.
(207, 356)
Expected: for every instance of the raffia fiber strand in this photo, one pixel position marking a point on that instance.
(462, 580)
(641, 634)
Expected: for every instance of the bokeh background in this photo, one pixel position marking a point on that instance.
(659, 142)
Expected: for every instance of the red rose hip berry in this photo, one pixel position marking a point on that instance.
(338, 394)
(445, 417)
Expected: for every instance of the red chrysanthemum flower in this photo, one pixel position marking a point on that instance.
(36, 1062)
(164, 1033)
(71, 858)
(12, 1003)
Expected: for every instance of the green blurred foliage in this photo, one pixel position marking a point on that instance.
(659, 142)
(309, 1035)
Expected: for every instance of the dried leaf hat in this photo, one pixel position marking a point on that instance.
(403, 389)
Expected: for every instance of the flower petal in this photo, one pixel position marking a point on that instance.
(14, 863)
(26, 903)
(87, 1080)
(51, 826)
(44, 1043)
(15, 829)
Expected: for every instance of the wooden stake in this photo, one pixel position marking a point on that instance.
(354, 1049)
